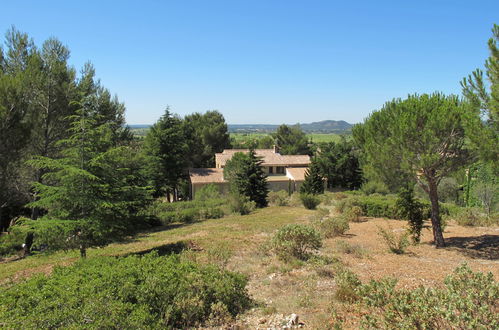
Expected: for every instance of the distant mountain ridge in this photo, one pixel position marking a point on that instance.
(324, 126)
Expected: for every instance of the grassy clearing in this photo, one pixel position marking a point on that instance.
(236, 231)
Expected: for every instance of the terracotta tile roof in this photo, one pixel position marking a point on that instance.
(268, 156)
(206, 175)
(296, 173)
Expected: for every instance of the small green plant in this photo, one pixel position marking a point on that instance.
(278, 198)
(295, 240)
(310, 201)
(396, 243)
(334, 226)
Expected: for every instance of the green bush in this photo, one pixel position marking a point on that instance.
(278, 198)
(354, 213)
(11, 242)
(347, 284)
(475, 217)
(468, 301)
(241, 204)
(309, 201)
(332, 227)
(124, 293)
(374, 187)
(410, 209)
(396, 243)
(297, 241)
(207, 192)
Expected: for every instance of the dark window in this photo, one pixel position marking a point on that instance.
(280, 170)
(271, 170)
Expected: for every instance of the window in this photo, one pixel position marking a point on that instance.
(280, 170)
(271, 170)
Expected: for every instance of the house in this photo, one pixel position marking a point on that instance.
(285, 172)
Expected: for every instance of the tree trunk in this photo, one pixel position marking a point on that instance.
(435, 214)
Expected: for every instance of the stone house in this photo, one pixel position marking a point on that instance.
(285, 172)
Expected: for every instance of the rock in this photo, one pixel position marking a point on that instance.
(262, 320)
(292, 320)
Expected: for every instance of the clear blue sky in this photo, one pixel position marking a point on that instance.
(265, 61)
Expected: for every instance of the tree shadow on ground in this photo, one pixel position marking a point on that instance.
(168, 249)
(476, 247)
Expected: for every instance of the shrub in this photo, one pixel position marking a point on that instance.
(332, 227)
(11, 242)
(357, 250)
(372, 187)
(468, 301)
(241, 204)
(410, 209)
(354, 213)
(297, 241)
(475, 217)
(278, 198)
(207, 192)
(212, 213)
(396, 243)
(347, 284)
(130, 292)
(309, 201)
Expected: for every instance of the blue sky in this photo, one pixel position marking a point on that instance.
(265, 61)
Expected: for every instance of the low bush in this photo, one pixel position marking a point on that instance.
(278, 198)
(241, 204)
(124, 293)
(207, 192)
(332, 227)
(347, 285)
(410, 209)
(354, 249)
(468, 301)
(11, 242)
(396, 243)
(474, 217)
(298, 241)
(374, 187)
(309, 201)
(354, 214)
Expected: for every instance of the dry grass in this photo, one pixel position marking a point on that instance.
(304, 288)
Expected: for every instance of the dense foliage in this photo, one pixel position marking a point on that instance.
(130, 292)
(291, 140)
(339, 164)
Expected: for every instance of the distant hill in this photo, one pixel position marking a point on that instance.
(325, 126)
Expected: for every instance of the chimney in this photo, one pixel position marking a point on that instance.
(276, 149)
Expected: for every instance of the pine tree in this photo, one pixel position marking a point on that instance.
(94, 191)
(314, 182)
